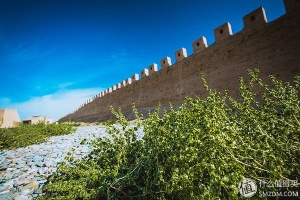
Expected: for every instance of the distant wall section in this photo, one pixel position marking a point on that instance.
(9, 118)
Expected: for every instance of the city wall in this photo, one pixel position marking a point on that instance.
(272, 47)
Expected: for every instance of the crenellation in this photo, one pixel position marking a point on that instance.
(114, 88)
(128, 81)
(135, 77)
(145, 73)
(180, 54)
(123, 83)
(119, 86)
(292, 6)
(152, 68)
(255, 19)
(200, 44)
(166, 62)
(222, 32)
(109, 90)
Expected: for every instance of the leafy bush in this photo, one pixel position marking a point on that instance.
(110, 122)
(25, 134)
(200, 151)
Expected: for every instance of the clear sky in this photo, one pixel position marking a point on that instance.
(55, 54)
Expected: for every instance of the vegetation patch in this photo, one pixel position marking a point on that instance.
(110, 122)
(25, 134)
(202, 150)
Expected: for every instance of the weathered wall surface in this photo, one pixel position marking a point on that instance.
(271, 47)
(9, 118)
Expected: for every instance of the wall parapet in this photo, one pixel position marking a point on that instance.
(255, 18)
(145, 72)
(222, 32)
(135, 77)
(200, 44)
(180, 54)
(166, 62)
(152, 68)
(292, 6)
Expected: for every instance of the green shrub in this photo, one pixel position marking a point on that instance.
(26, 134)
(75, 123)
(110, 122)
(200, 151)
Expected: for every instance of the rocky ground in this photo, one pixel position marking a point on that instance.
(24, 171)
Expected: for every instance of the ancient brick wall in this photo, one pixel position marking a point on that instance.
(272, 47)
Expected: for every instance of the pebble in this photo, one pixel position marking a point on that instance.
(22, 197)
(4, 188)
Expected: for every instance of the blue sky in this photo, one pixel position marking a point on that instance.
(55, 54)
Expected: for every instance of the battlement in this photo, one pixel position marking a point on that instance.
(240, 53)
(292, 6)
(152, 68)
(255, 19)
(180, 54)
(166, 62)
(223, 31)
(119, 86)
(123, 83)
(199, 45)
(144, 73)
(135, 77)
